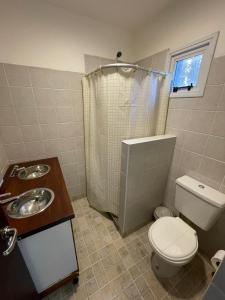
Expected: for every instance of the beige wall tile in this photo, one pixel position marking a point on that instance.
(15, 152)
(65, 114)
(35, 150)
(58, 79)
(47, 115)
(194, 142)
(199, 121)
(69, 157)
(189, 163)
(219, 124)
(217, 71)
(51, 148)
(26, 115)
(177, 118)
(49, 131)
(156, 61)
(215, 148)
(145, 62)
(67, 97)
(22, 96)
(200, 143)
(67, 130)
(10, 134)
(159, 60)
(212, 169)
(75, 80)
(31, 133)
(44, 97)
(38, 107)
(39, 77)
(3, 81)
(175, 163)
(178, 133)
(221, 105)
(3, 160)
(67, 144)
(5, 98)
(17, 75)
(209, 101)
(7, 116)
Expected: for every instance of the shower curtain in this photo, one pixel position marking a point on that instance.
(118, 104)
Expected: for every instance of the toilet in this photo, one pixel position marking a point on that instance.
(173, 241)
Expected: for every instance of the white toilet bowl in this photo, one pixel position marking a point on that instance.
(174, 243)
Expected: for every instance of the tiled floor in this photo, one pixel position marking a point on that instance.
(118, 268)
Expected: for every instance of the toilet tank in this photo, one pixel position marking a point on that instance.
(198, 202)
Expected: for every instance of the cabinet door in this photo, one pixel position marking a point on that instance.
(50, 255)
(15, 280)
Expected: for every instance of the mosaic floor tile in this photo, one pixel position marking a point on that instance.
(116, 268)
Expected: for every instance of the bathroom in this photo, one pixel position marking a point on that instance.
(125, 155)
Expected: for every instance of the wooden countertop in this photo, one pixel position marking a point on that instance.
(59, 211)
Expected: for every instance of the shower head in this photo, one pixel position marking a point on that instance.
(118, 55)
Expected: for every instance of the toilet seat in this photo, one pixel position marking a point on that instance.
(173, 240)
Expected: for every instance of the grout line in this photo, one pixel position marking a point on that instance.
(17, 119)
(197, 109)
(210, 131)
(133, 281)
(127, 269)
(196, 132)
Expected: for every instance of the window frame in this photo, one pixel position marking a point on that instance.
(205, 46)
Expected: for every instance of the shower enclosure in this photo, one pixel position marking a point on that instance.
(121, 101)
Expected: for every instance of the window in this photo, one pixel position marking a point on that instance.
(190, 67)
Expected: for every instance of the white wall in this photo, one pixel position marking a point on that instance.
(182, 23)
(35, 33)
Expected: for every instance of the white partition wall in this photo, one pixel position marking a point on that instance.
(145, 164)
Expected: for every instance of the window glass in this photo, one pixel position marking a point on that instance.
(187, 71)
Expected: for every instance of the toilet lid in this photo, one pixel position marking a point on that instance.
(173, 238)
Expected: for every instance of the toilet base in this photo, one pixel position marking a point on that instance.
(162, 268)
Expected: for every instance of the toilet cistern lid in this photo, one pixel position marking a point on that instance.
(173, 238)
(202, 191)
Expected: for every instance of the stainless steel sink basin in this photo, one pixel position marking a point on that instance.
(33, 172)
(30, 203)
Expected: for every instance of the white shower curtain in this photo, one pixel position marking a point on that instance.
(118, 104)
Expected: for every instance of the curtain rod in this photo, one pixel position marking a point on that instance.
(124, 65)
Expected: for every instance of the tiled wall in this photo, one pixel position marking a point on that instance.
(199, 124)
(4, 162)
(156, 61)
(41, 115)
(145, 164)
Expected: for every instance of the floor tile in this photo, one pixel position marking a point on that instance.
(130, 293)
(117, 268)
(127, 259)
(100, 274)
(143, 288)
(134, 271)
(91, 286)
(113, 266)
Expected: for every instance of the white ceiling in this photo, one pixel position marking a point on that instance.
(128, 14)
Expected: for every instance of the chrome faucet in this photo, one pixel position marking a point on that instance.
(16, 169)
(7, 199)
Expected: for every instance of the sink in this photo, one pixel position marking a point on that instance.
(33, 172)
(30, 203)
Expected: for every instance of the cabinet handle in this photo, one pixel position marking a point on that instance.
(10, 234)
